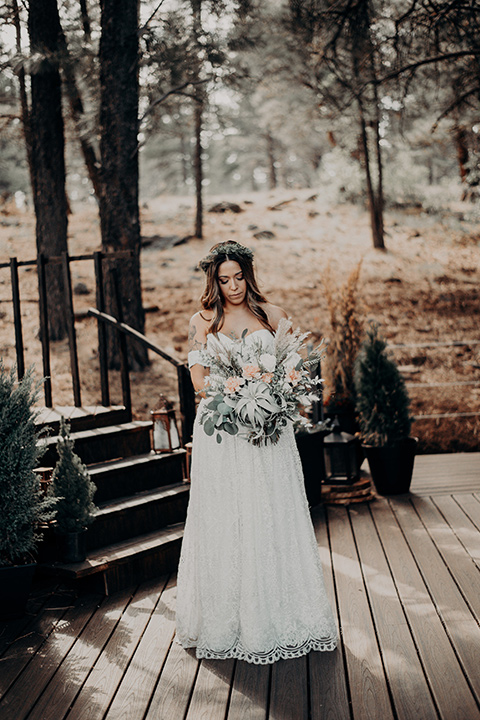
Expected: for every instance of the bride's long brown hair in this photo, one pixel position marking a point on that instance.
(212, 298)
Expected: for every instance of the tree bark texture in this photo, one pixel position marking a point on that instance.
(363, 64)
(198, 163)
(272, 170)
(199, 100)
(118, 201)
(47, 154)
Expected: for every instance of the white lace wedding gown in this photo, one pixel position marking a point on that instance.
(250, 583)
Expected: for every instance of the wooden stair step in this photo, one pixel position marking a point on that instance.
(144, 512)
(127, 562)
(81, 418)
(105, 443)
(125, 476)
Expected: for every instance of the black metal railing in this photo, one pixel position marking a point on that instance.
(412, 386)
(186, 392)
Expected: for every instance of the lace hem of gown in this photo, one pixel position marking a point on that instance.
(277, 653)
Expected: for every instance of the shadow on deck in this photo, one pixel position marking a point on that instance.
(403, 574)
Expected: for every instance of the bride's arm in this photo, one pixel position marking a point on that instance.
(197, 338)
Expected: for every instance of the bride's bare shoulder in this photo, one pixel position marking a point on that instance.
(274, 314)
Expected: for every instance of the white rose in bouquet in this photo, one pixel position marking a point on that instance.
(268, 361)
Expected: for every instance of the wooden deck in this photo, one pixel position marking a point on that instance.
(403, 575)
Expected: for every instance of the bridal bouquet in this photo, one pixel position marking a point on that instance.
(255, 392)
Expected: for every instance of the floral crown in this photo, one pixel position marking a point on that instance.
(228, 248)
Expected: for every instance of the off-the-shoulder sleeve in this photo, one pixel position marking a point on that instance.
(195, 358)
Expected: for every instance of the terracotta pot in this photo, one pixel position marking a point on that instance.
(16, 582)
(391, 466)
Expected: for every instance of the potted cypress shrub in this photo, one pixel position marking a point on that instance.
(385, 423)
(23, 507)
(73, 490)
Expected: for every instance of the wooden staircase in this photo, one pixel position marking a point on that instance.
(142, 500)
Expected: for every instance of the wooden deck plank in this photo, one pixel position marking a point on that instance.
(462, 567)
(38, 673)
(101, 685)
(470, 505)
(447, 681)
(137, 686)
(21, 652)
(250, 690)
(412, 698)
(461, 626)
(211, 690)
(452, 509)
(13, 629)
(366, 678)
(60, 693)
(289, 691)
(403, 573)
(327, 681)
(174, 689)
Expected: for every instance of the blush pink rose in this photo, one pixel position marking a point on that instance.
(250, 372)
(293, 376)
(232, 384)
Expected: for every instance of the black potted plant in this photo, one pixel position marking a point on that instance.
(309, 440)
(23, 507)
(385, 423)
(74, 490)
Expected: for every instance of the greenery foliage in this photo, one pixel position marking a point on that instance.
(382, 397)
(23, 506)
(72, 486)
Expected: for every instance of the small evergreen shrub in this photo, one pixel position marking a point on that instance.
(23, 507)
(382, 397)
(72, 486)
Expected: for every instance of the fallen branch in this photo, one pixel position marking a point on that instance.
(280, 205)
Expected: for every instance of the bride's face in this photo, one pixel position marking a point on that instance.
(232, 284)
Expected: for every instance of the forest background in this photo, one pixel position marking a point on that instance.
(344, 131)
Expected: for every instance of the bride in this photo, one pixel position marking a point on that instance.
(250, 583)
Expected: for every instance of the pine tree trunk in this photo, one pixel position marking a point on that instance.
(118, 201)
(363, 60)
(198, 165)
(198, 120)
(272, 170)
(47, 158)
(374, 202)
(25, 110)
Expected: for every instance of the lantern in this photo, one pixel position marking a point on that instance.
(165, 436)
(341, 457)
(45, 476)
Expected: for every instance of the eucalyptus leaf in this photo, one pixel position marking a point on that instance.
(219, 438)
(230, 428)
(209, 427)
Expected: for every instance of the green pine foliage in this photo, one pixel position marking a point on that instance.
(72, 486)
(22, 505)
(382, 398)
